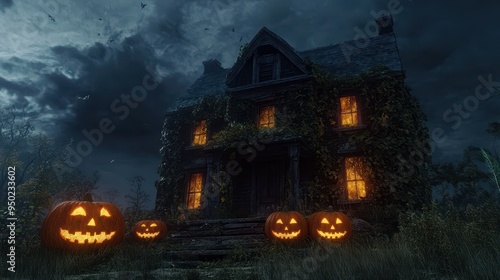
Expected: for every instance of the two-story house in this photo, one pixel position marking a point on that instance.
(253, 175)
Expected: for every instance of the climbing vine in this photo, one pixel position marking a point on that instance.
(393, 143)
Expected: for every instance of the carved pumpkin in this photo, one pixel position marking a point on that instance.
(149, 230)
(286, 226)
(331, 226)
(83, 225)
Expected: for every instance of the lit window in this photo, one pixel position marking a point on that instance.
(348, 111)
(356, 187)
(200, 133)
(266, 117)
(194, 190)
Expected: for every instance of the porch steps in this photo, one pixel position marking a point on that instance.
(203, 240)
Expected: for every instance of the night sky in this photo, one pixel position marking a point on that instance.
(72, 66)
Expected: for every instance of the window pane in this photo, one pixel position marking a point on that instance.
(191, 202)
(347, 120)
(351, 190)
(361, 189)
(348, 111)
(197, 200)
(200, 133)
(356, 186)
(266, 117)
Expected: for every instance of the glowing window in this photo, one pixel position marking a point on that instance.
(266, 117)
(356, 187)
(194, 190)
(348, 111)
(200, 133)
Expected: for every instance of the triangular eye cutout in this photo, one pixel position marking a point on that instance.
(105, 212)
(293, 221)
(79, 211)
(143, 225)
(338, 221)
(279, 221)
(153, 225)
(325, 221)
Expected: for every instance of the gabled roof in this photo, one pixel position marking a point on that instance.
(345, 59)
(212, 83)
(266, 37)
(381, 50)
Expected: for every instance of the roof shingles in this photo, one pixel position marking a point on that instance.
(381, 50)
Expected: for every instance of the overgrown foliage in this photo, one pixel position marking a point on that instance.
(393, 138)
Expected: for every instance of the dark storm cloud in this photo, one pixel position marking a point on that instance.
(444, 47)
(5, 4)
(107, 74)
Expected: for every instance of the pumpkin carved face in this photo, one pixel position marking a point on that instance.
(149, 230)
(83, 225)
(331, 226)
(286, 226)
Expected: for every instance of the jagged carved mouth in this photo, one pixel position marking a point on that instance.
(86, 238)
(148, 235)
(328, 235)
(286, 235)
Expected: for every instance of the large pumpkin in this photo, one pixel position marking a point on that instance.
(286, 226)
(331, 226)
(149, 230)
(83, 225)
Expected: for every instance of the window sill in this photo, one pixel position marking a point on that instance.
(357, 201)
(350, 128)
(196, 147)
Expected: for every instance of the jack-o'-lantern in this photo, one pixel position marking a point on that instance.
(83, 225)
(330, 226)
(286, 226)
(149, 230)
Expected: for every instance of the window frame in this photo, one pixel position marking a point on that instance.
(345, 198)
(193, 133)
(188, 188)
(259, 109)
(358, 113)
(257, 65)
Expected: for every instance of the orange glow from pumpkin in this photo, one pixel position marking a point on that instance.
(81, 238)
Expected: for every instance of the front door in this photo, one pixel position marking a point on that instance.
(268, 178)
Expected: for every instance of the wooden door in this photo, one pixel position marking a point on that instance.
(269, 181)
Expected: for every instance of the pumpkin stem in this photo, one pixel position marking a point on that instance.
(87, 197)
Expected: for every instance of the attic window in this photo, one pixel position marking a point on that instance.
(194, 190)
(266, 116)
(267, 66)
(200, 133)
(355, 184)
(349, 111)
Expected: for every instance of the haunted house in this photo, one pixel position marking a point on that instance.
(262, 175)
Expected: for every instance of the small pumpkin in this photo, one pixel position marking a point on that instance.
(149, 230)
(331, 226)
(286, 226)
(83, 225)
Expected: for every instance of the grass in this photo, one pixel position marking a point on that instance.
(437, 243)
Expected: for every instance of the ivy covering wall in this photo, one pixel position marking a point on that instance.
(394, 143)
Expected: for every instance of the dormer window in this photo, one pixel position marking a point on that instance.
(267, 67)
(200, 133)
(267, 116)
(266, 64)
(349, 114)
